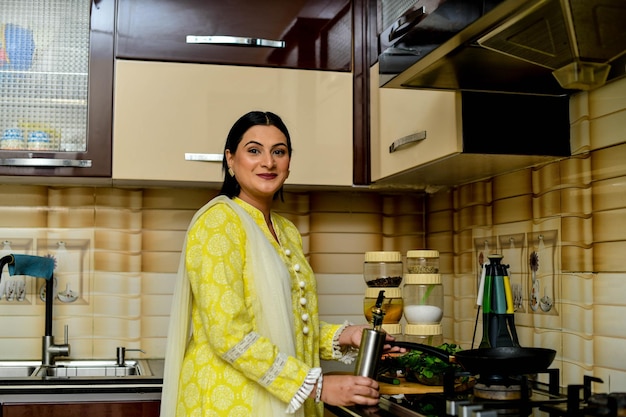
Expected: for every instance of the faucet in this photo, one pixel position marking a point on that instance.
(50, 350)
(33, 267)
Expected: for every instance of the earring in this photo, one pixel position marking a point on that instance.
(231, 172)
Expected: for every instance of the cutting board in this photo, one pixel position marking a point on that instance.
(407, 388)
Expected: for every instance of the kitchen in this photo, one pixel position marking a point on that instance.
(135, 224)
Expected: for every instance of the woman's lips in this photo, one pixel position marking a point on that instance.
(267, 176)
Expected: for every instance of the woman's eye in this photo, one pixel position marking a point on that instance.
(253, 150)
(280, 152)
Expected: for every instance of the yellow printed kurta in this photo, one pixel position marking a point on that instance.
(212, 383)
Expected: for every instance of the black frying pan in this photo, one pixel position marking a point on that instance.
(492, 361)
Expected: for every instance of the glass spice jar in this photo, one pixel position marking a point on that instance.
(392, 304)
(422, 262)
(423, 298)
(383, 269)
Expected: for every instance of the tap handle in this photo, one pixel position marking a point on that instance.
(66, 335)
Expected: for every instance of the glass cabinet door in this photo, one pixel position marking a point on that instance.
(56, 60)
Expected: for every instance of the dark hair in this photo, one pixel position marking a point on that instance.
(230, 186)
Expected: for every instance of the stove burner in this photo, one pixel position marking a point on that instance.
(499, 392)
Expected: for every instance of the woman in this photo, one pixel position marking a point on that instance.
(255, 340)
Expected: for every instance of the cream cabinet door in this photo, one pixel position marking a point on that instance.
(412, 114)
(164, 111)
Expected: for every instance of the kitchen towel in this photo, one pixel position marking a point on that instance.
(34, 266)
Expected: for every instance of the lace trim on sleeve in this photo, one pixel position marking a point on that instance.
(305, 390)
(344, 354)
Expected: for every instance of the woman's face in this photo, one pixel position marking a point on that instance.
(260, 164)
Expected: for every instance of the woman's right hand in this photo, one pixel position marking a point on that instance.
(346, 390)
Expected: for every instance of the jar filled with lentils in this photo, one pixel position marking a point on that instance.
(383, 269)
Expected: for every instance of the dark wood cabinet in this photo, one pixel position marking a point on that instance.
(56, 106)
(81, 409)
(306, 34)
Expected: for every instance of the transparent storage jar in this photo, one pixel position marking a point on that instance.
(383, 269)
(394, 329)
(392, 304)
(423, 298)
(422, 262)
(425, 334)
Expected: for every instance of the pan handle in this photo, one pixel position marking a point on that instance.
(439, 353)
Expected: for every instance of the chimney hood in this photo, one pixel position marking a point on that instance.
(538, 47)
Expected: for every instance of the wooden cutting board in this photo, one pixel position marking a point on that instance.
(403, 388)
(407, 388)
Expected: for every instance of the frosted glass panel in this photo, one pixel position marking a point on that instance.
(44, 52)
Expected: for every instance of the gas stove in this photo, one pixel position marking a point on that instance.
(507, 398)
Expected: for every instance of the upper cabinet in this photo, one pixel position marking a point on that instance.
(433, 138)
(307, 34)
(187, 70)
(171, 119)
(56, 87)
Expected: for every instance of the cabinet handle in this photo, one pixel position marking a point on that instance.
(46, 162)
(415, 137)
(235, 40)
(207, 157)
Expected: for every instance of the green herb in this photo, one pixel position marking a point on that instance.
(425, 366)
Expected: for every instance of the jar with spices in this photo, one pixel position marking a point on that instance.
(383, 269)
(425, 334)
(422, 262)
(392, 304)
(423, 298)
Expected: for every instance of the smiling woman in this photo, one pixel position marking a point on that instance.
(246, 286)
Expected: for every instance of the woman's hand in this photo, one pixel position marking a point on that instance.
(351, 336)
(346, 390)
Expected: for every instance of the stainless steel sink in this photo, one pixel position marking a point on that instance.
(18, 369)
(75, 368)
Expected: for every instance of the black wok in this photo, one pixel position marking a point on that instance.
(503, 361)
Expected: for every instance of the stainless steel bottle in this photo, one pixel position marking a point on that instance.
(372, 342)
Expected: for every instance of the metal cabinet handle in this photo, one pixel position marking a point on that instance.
(415, 137)
(235, 40)
(206, 157)
(46, 162)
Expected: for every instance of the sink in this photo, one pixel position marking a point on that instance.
(17, 369)
(75, 368)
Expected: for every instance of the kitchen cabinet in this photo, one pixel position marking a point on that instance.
(411, 114)
(56, 87)
(435, 138)
(307, 34)
(165, 110)
(80, 409)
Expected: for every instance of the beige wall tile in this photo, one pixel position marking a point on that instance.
(162, 240)
(163, 219)
(23, 195)
(118, 218)
(514, 184)
(346, 222)
(609, 163)
(345, 202)
(118, 240)
(512, 209)
(176, 198)
(23, 217)
(161, 261)
(117, 197)
(344, 242)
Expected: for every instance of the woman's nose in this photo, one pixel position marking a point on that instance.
(268, 160)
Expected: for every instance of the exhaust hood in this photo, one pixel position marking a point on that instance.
(538, 47)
